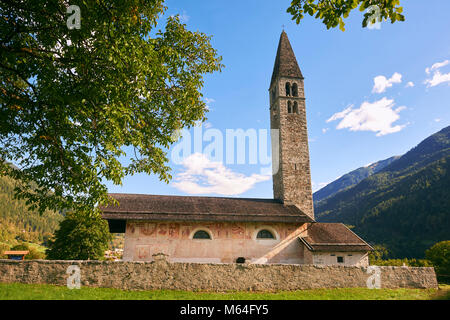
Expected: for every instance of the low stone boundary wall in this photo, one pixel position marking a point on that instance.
(161, 274)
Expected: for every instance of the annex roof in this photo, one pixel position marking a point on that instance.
(333, 237)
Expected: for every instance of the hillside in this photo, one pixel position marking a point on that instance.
(405, 205)
(351, 178)
(17, 222)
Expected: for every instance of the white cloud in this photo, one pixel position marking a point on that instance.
(381, 83)
(438, 77)
(203, 176)
(324, 130)
(341, 114)
(437, 65)
(437, 120)
(410, 84)
(377, 116)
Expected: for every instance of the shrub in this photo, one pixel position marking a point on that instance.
(439, 255)
(3, 247)
(33, 252)
(402, 262)
(81, 236)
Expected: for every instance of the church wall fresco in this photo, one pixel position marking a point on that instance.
(229, 241)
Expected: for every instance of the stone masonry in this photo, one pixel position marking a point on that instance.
(292, 181)
(160, 274)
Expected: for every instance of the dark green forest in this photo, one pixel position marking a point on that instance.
(405, 206)
(17, 223)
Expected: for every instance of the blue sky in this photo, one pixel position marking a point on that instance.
(351, 121)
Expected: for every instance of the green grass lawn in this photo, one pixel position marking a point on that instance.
(17, 291)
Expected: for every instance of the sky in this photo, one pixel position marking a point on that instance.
(370, 93)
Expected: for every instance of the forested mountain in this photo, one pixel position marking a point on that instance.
(19, 223)
(351, 178)
(404, 206)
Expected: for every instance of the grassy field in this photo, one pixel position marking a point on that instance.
(17, 291)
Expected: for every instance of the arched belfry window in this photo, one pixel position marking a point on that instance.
(265, 234)
(294, 90)
(289, 107)
(201, 234)
(288, 89)
(295, 109)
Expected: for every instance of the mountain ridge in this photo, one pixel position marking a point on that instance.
(351, 178)
(404, 205)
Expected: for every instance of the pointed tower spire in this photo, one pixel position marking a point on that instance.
(285, 63)
(290, 152)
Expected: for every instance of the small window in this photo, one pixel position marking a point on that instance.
(265, 234)
(295, 110)
(294, 90)
(340, 259)
(289, 107)
(288, 89)
(240, 260)
(201, 234)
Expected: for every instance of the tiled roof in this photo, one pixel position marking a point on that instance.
(186, 208)
(285, 62)
(332, 237)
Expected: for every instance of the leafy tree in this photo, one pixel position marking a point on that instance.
(45, 238)
(18, 222)
(81, 236)
(74, 101)
(402, 262)
(379, 253)
(333, 12)
(439, 255)
(3, 247)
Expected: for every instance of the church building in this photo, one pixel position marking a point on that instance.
(245, 230)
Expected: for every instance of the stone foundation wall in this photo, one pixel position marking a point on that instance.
(160, 274)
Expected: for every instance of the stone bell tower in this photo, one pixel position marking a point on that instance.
(290, 153)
